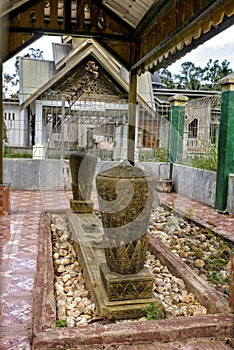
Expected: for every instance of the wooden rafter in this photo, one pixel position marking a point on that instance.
(35, 19)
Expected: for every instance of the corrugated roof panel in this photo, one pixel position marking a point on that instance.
(33, 74)
(60, 51)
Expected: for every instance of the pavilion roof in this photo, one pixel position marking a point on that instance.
(141, 34)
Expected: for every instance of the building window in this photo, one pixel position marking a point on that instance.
(193, 128)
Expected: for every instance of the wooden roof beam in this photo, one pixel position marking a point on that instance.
(175, 33)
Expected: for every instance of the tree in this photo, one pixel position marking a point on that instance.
(12, 81)
(189, 77)
(213, 72)
(167, 78)
(193, 77)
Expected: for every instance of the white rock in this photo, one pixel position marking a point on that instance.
(66, 277)
(62, 252)
(201, 310)
(57, 262)
(61, 269)
(70, 293)
(61, 302)
(64, 238)
(81, 321)
(68, 283)
(56, 256)
(70, 321)
(199, 263)
(90, 309)
(65, 261)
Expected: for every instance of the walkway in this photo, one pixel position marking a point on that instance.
(18, 255)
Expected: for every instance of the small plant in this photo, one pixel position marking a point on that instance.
(219, 264)
(5, 135)
(209, 233)
(207, 159)
(199, 253)
(151, 154)
(170, 222)
(170, 209)
(152, 312)
(189, 213)
(216, 278)
(60, 323)
(8, 153)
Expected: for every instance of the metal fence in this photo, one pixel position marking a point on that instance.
(53, 128)
(202, 119)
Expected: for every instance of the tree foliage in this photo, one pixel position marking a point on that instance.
(167, 78)
(213, 72)
(192, 77)
(11, 82)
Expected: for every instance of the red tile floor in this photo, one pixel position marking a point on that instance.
(18, 254)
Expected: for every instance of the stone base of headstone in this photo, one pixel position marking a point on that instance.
(81, 206)
(88, 235)
(128, 286)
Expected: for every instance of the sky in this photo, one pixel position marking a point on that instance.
(220, 47)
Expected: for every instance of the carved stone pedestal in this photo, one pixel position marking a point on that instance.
(81, 206)
(82, 167)
(128, 286)
(88, 234)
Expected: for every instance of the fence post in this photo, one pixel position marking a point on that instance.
(176, 127)
(225, 144)
(62, 126)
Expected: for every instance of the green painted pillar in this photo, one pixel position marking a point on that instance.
(176, 127)
(226, 142)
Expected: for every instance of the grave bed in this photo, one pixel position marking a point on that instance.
(217, 324)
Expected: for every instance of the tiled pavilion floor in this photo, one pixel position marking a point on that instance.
(18, 255)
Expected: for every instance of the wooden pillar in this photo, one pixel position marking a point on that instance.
(226, 144)
(132, 115)
(4, 188)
